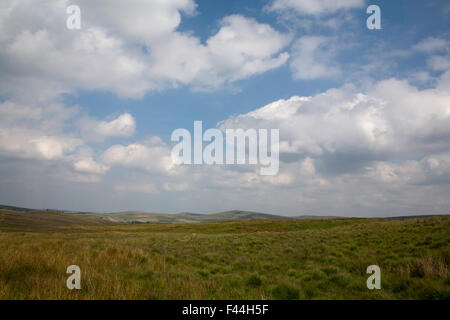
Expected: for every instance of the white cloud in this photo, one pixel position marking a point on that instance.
(438, 51)
(47, 133)
(32, 144)
(431, 44)
(142, 20)
(343, 128)
(241, 48)
(307, 167)
(43, 59)
(12, 112)
(88, 165)
(431, 170)
(52, 147)
(34, 132)
(281, 109)
(343, 150)
(152, 156)
(439, 63)
(90, 59)
(123, 126)
(421, 77)
(312, 58)
(93, 130)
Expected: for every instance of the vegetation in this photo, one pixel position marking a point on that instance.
(244, 259)
(139, 217)
(42, 221)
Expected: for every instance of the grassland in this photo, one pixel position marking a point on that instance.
(245, 259)
(139, 217)
(43, 221)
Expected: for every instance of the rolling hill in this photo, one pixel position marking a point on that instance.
(43, 220)
(138, 217)
(18, 216)
(229, 260)
(141, 217)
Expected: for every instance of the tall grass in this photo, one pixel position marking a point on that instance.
(255, 259)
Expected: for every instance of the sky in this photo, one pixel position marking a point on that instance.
(86, 115)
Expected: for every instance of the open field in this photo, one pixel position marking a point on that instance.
(41, 221)
(139, 217)
(244, 259)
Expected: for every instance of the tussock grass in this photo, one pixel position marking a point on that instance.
(250, 259)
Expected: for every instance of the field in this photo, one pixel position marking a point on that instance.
(243, 259)
(138, 217)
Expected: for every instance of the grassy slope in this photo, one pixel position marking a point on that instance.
(146, 217)
(248, 259)
(36, 220)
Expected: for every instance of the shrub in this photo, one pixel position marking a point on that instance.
(203, 273)
(291, 273)
(141, 258)
(285, 292)
(254, 281)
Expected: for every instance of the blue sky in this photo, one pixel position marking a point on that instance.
(86, 115)
(404, 24)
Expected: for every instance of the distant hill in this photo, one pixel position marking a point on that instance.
(42, 220)
(140, 217)
(137, 217)
(414, 217)
(12, 208)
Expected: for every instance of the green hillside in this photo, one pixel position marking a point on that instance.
(138, 217)
(240, 259)
(37, 220)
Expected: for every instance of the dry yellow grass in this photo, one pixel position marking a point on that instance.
(231, 260)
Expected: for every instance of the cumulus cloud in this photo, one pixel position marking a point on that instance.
(244, 47)
(312, 58)
(438, 51)
(85, 60)
(347, 150)
(41, 60)
(44, 59)
(431, 170)
(151, 20)
(32, 144)
(241, 48)
(31, 132)
(93, 130)
(439, 63)
(152, 156)
(88, 165)
(344, 129)
(47, 133)
(378, 150)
